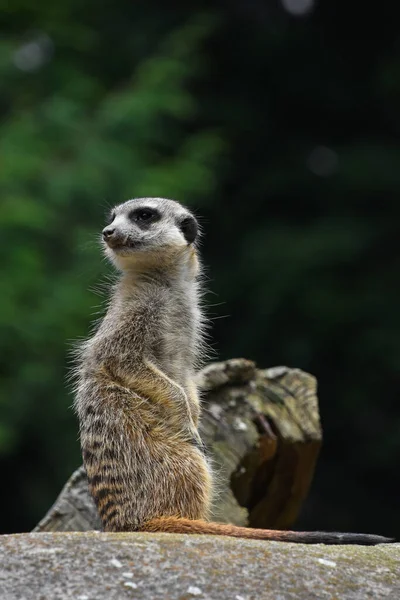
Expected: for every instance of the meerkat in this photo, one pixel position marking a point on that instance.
(136, 396)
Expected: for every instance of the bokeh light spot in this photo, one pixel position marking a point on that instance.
(298, 7)
(322, 161)
(34, 54)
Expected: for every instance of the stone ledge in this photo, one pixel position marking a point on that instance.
(97, 566)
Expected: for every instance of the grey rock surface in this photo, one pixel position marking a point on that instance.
(96, 566)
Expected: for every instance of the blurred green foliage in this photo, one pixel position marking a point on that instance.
(282, 132)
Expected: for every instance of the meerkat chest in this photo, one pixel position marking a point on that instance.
(175, 345)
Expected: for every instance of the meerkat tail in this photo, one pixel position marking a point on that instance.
(179, 525)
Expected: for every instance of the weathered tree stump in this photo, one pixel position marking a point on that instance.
(263, 434)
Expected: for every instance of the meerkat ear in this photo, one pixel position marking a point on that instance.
(189, 227)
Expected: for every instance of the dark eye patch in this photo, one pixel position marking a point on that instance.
(144, 215)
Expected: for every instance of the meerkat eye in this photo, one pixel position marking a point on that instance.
(143, 215)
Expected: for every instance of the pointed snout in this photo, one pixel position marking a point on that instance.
(108, 232)
(113, 236)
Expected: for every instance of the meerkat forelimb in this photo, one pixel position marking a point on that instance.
(136, 397)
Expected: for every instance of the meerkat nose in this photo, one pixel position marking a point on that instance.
(108, 232)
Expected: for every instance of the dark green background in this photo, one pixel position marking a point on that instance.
(282, 132)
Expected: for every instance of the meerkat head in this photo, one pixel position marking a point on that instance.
(149, 232)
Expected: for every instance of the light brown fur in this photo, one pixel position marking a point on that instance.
(136, 397)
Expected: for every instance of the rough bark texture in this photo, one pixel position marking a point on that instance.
(88, 566)
(263, 433)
